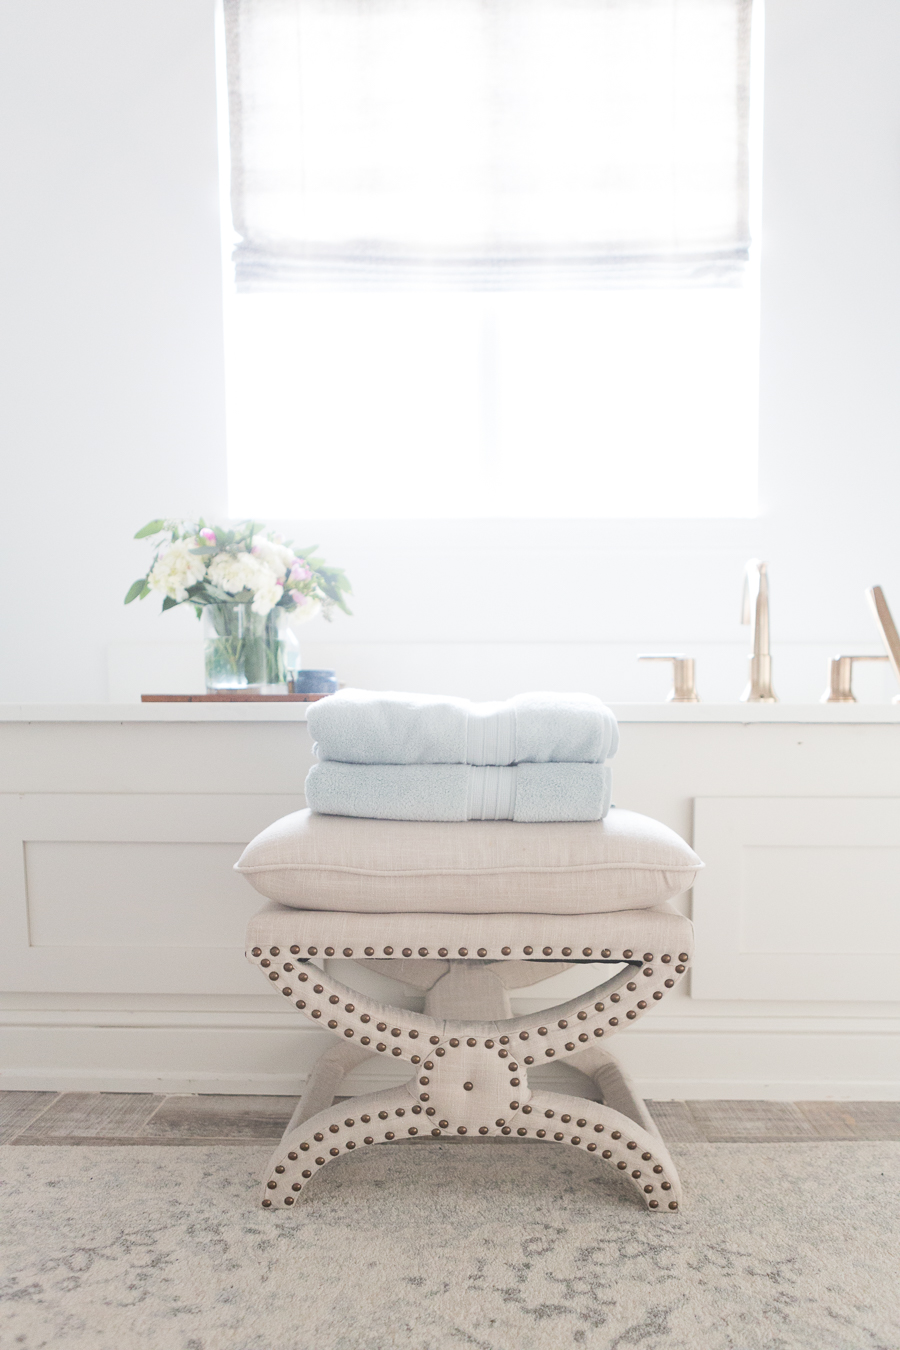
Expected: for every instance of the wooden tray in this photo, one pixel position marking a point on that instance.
(235, 697)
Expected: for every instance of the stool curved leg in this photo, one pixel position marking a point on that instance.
(609, 1136)
(378, 1118)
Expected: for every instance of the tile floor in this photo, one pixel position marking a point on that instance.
(97, 1118)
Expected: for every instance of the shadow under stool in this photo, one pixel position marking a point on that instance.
(468, 1057)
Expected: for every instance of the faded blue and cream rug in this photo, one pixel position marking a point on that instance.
(450, 1246)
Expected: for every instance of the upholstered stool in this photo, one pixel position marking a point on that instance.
(373, 899)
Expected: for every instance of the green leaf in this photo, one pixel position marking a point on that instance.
(169, 603)
(135, 590)
(154, 527)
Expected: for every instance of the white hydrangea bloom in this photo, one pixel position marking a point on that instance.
(276, 556)
(176, 569)
(267, 597)
(233, 572)
(304, 612)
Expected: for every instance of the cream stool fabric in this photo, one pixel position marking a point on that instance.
(469, 1059)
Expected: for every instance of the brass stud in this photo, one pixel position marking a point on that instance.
(592, 1148)
(382, 1115)
(549, 1053)
(279, 1168)
(632, 1014)
(295, 951)
(368, 1139)
(575, 1139)
(287, 991)
(541, 1133)
(412, 1130)
(430, 1111)
(407, 951)
(506, 1130)
(440, 1051)
(350, 1144)
(667, 958)
(424, 1081)
(679, 970)
(523, 1035)
(381, 1046)
(526, 1110)
(527, 950)
(631, 986)
(274, 951)
(521, 1130)
(570, 1045)
(423, 1097)
(616, 1134)
(320, 1162)
(648, 970)
(654, 1204)
(642, 1003)
(348, 951)
(413, 1035)
(559, 1137)
(606, 952)
(464, 951)
(504, 1040)
(607, 1153)
(454, 1042)
(433, 1040)
(598, 1129)
(329, 951)
(628, 952)
(257, 951)
(549, 1114)
(365, 1119)
(312, 951)
(621, 1166)
(395, 1031)
(505, 951)
(271, 1185)
(471, 1041)
(349, 1031)
(483, 1129)
(388, 951)
(648, 1190)
(265, 962)
(584, 1036)
(333, 1129)
(399, 1111)
(296, 1186)
(467, 1087)
(615, 998)
(292, 1157)
(587, 951)
(682, 956)
(582, 1016)
(273, 975)
(657, 1169)
(563, 1023)
(658, 994)
(435, 1130)
(614, 1021)
(423, 951)
(666, 1185)
(548, 951)
(267, 1204)
(514, 1106)
(489, 1045)
(673, 1204)
(303, 1149)
(442, 951)
(318, 1137)
(514, 1082)
(389, 1134)
(370, 951)
(429, 1064)
(567, 951)
(669, 983)
(482, 951)
(302, 976)
(318, 989)
(529, 1059)
(581, 1124)
(460, 1129)
(636, 1173)
(443, 1124)
(565, 1119)
(332, 1024)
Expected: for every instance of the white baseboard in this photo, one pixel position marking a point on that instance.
(191, 1053)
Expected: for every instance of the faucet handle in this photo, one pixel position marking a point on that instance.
(840, 688)
(683, 689)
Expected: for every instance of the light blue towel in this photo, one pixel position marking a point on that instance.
(532, 793)
(361, 726)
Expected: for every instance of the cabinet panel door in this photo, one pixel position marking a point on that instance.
(800, 898)
(128, 892)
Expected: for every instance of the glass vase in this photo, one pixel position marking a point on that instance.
(244, 650)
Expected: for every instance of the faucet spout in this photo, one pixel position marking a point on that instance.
(755, 611)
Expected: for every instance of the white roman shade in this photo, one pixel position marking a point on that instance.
(488, 143)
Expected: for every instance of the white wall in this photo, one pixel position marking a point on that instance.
(111, 343)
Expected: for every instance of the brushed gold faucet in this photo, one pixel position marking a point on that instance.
(755, 611)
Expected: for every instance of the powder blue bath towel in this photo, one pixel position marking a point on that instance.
(361, 726)
(532, 793)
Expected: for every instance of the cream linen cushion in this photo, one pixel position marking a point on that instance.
(311, 861)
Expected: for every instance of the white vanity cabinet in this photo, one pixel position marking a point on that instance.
(121, 960)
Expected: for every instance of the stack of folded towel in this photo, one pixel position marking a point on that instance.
(535, 758)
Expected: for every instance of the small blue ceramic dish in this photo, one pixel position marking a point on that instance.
(315, 682)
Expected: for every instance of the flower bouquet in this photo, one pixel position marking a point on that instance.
(251, 589)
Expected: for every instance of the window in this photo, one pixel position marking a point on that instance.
(490, 258)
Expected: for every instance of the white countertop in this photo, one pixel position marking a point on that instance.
(747, 713)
